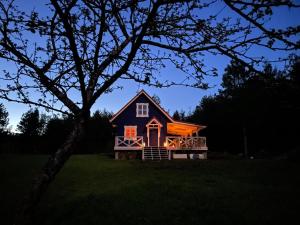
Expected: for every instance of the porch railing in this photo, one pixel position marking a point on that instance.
(175, 142)
(122, 143)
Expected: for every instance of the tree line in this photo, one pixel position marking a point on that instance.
(40, 133)
(254, 113)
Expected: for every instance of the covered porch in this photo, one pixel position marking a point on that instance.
(171, 143)
(181, 136)
(185, 143)
(184, 136)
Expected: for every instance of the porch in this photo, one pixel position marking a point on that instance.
(123, 143)
(185, 143)
(171, 143)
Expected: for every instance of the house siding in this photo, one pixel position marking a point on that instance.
(128, 118)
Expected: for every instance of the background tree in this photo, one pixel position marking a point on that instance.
(83, 47)
(180, 116)
(99, 137)
(3, 119)
(264, 106)
(235, 76)
(32, 123)
(156, 99)
(295, 71)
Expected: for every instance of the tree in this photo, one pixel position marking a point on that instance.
(235, 76)
(32, 123)
(58, 128)
(247, 113)
(295, 71)
(3, 119)
(180, 116)
(156, 99)
(99, 135)
(85, 46)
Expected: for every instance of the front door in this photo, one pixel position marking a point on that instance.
(153, 136)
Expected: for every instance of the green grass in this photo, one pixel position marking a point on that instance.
(94, 189)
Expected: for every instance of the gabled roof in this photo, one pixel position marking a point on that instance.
(174, 127)
(134, 98)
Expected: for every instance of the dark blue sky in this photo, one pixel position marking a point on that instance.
(180, 98)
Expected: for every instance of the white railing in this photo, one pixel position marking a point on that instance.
(122, 144)
(175, 142)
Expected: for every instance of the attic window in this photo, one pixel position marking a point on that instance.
(142, 109)
(130, 133)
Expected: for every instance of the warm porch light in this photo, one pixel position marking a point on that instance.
(165, 144)
(144, 144)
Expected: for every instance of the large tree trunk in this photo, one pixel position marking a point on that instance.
(54, 164)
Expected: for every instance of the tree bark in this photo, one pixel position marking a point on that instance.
(54, 164)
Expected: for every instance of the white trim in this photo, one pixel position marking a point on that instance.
(122, 144)
(137, 109)
(186, 143)
(134, 138)
(156, 122)
(133, 99)
(157, 126)
(127, 148)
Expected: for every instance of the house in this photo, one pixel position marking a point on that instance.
(145, 130)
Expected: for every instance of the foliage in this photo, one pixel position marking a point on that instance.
(3, 118)
(98, 132)
(265, 105)
(75, 51)
(32, 123)
(99, 137)
(58, 128)
(235, 76)
(179, 116)
(156, 99)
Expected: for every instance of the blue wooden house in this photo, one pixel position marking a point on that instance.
(145, 130)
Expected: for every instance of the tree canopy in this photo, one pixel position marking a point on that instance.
(3, 118)
(76, 50)
(32, 123)
(265, 106)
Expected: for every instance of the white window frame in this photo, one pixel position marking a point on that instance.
(142, 110)
(131, 138)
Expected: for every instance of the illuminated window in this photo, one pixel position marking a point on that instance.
(130, 132)
(142, 109)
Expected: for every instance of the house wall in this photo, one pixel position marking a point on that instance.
(128, 118)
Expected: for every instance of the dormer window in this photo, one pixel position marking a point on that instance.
(142, 110)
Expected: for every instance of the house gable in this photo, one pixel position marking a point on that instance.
(127, 116)
(142, 97)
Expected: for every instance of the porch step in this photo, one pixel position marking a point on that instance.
(155, 153)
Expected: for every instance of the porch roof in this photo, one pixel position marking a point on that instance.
(183, 129)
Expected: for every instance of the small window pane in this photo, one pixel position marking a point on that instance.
(142, 110)
(130, 133)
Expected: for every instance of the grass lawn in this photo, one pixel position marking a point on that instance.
(94, 189)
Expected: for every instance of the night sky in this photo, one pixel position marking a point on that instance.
(174, 98)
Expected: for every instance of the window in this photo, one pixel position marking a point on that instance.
(142, 109)
(129, 132)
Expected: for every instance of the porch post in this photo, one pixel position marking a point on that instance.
(148, 135)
